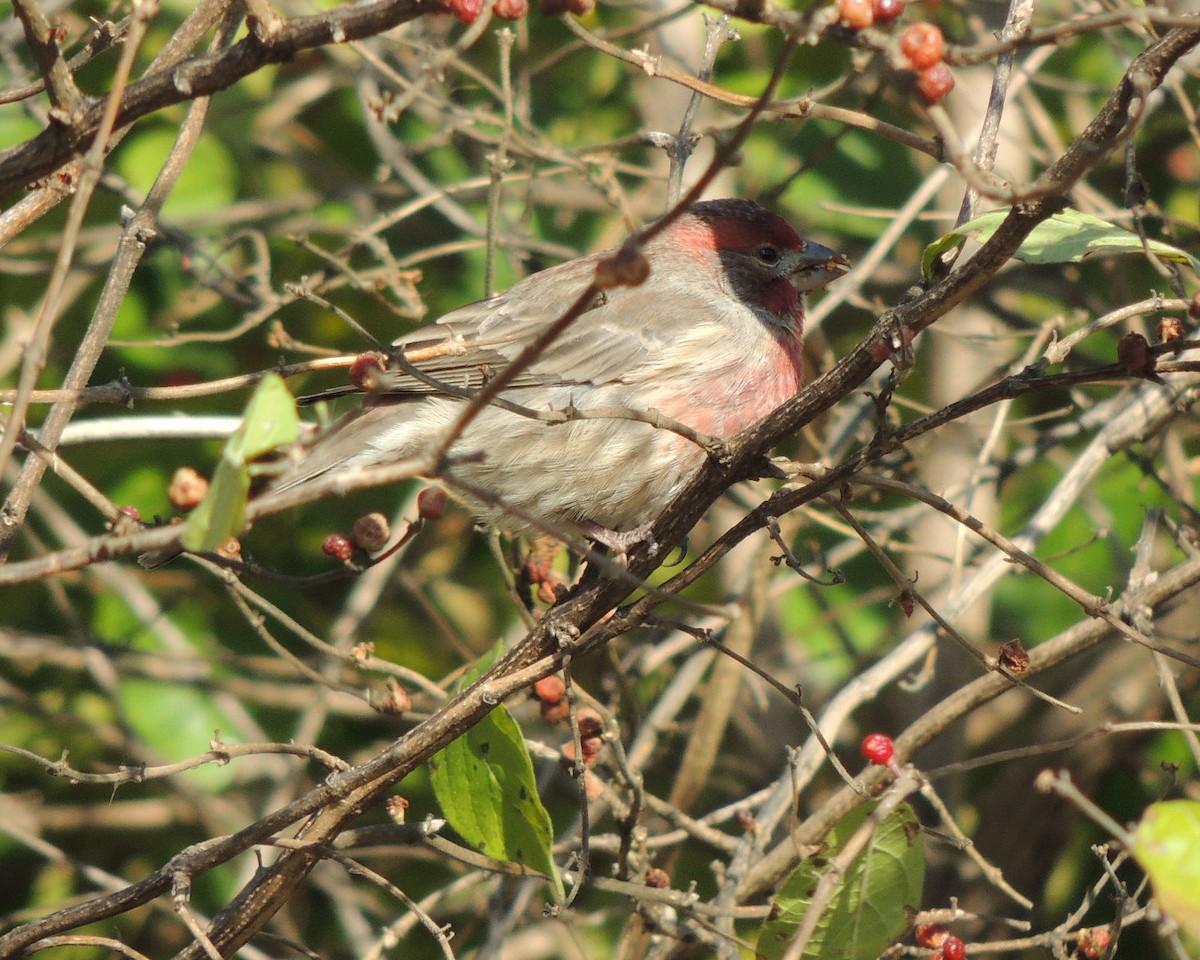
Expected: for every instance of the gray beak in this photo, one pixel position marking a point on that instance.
(814, 266)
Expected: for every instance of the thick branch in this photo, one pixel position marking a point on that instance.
(202, 75)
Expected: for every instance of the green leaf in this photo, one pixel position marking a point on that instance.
(874, 903)
(208, 182)
(1166, 843)
(177, 721)
(220, 514)
(1066, 237)
(270, 421)
(485, 785)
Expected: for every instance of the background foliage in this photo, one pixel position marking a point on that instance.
(392, 161)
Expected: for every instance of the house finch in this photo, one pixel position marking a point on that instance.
(711, 338)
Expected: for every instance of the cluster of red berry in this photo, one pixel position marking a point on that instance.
(937, 937)
(370, 534)
(468, 11)
(551, 694)
(921, 44)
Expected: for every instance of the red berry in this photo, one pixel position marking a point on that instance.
(1094, 942)
(550, 689)
(510, 9)
(922, 45)
(878, 748)
(338, 546)
(466, 10)
(555, 712)
(887, 10)
(953, 949)
(856, 14)
(934, 83)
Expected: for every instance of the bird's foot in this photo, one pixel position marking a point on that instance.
(620, 542)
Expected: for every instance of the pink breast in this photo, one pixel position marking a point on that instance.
(739, 395)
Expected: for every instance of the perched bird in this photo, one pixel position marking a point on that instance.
(711, 339)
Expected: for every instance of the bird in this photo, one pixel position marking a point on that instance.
(711, 339)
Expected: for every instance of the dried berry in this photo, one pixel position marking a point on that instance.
(591, 747)
(398, 699)
(365, 371)
(878, 748)
(187, 489)
(591, 724)
(934, 83)
(371, 532)
(1171, 328)
(431, 503)
(856, 14)
(338, 546)
(1014, 658)
(658, 878)
(396, 807)
(231, 549)
(953, 949)
(628, 267)
(931, 935)
(1135, 357)
(922, 45)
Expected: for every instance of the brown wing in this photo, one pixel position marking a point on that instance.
(468, 346)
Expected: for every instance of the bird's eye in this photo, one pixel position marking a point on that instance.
(767, 254)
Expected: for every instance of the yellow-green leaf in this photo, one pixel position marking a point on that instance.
(270, 421)
(1066, 237)
(1166, 843)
